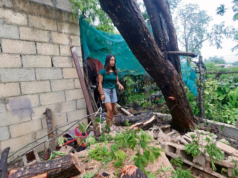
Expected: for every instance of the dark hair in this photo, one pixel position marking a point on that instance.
(107, 64)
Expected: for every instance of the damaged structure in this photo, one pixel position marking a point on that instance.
(37, 70)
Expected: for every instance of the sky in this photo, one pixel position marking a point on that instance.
(210, 6)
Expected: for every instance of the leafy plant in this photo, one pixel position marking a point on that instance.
(61, 140)
(177, 161)
(194, 147)
(180, 173)
(89, 174)
(164, 169)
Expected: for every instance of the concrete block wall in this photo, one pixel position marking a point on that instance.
(37, 70)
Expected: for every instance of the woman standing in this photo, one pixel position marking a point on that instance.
(108, 79)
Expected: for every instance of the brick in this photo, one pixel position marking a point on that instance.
(20, 129)
(62, 62)
(9, 89)
(70, 73)
(12, 17)
(78, 114)
(15, 46)
(32, 34)
(58, 85)
(75, 40)
(44, 74)
(42, 23)
(77, 83)
(81, 104)
(15, 117)
(15, 75)
(36, 61)
(60, 38)
(8, 60)
(72, 19)
(22, 102)
(54, 97)
(47, 49)
(4, 133)
(68, 28)
(67, 106)
(16, 143)
(73, 94)
(65, 51)
(35, 87)
(9, 31)
(6, 3)
(2, 107)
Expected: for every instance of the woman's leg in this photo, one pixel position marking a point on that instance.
(109, 115)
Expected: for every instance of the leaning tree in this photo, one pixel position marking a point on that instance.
(152, 51)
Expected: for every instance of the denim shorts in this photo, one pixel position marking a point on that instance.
(110, 95)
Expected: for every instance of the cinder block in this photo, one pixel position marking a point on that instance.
(47, 49)
(25, 128)
(8, 60)
(77, 83)
(44, 74)
(4, 133)
(73, 94)
(40, 134)
(75, 40)
(22, 102)
(16, 46)
(81, 104)
(36, 61)
(15, 117)
(54, 97)
(65, 51)
(70, 73)
(32, 34)
(12, 17)
(70, 28)
(62, 62)
(6, 3)
(64, 5)
(58, 85)
(66, 106)
(15, 75)
(38, 112)
(9, 31)
(78, 114)
(42, 23)
(60, 38)
(2, 106)
(59, 119)
(9, 89)
(35, 87)
(16, 143)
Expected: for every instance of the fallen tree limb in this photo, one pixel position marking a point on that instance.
(3, 167)
(126, 112)
(231, 72)
(182, 53)
(66, 166)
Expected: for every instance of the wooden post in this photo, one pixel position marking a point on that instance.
(50, 127)
(3, 167)
(201, 86)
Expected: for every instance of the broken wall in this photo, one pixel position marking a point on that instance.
(37, 70)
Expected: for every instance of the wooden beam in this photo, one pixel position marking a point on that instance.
(3, 167)
(50, 128)
(182, 53)
(65, 166)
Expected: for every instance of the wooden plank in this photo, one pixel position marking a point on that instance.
(3, 167)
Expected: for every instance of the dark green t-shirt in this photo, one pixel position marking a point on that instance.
(109, 80)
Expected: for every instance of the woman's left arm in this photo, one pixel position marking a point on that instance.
(118, 84)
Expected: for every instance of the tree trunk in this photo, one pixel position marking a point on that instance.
(62, 167)
(127, 17)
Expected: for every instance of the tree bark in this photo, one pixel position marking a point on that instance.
(62, 167)
(127, 17)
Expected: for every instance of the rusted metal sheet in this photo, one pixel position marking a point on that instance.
(84, 88)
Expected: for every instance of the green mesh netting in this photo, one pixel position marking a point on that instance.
(98, 44)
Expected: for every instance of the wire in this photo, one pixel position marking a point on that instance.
(49, 9)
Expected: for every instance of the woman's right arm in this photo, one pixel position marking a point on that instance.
(100, 78)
